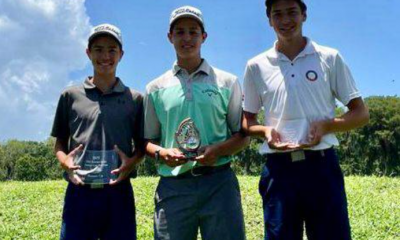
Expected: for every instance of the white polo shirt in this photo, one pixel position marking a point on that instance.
(296, 93)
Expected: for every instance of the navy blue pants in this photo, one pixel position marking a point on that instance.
(107, 213)
(309, 192)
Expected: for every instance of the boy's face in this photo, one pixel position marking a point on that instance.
(187, 37)
(105, 54)
(287, 19)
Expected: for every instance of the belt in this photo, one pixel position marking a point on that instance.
(301, 155)
(96, 186)
(91, 186)
(204, 171)
(101, 186)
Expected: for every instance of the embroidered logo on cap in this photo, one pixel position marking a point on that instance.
(107, 28)
(186, 10)
(311, 75)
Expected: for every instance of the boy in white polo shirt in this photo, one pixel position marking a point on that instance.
(297, 82)
(202, 192)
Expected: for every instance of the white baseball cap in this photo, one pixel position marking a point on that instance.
(186, 11)
(107, 29)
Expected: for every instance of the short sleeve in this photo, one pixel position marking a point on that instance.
(139, 124)
(342, 82)
(60, 125)
(152, 127)
(251, 101)
(234, 116)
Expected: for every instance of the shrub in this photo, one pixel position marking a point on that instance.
(28, 168)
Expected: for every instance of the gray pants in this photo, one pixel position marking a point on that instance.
(211, 202)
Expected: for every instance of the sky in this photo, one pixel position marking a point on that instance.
(44, 41)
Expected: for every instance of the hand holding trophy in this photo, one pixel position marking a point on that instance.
(187, 136)
(69, 166)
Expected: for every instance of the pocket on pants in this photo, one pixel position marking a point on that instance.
(265, 183)
(171, 188)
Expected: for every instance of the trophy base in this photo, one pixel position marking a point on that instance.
(190, 156)
(98, 180)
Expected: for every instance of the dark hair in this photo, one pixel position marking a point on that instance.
(171, 27)
(91, 41)
(269, 3)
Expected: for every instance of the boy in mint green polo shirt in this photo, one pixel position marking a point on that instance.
(202, 192)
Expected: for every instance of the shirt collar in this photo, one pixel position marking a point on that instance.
(118, 87)
(308, 50)
(275, 54)
(204, 67)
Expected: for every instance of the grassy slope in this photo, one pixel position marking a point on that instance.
(32, 210)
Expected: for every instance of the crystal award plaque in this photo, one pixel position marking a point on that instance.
(96, 166)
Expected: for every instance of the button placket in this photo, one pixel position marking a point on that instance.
(101, 99)
(293, 72)
(189, 90)
(101, 103)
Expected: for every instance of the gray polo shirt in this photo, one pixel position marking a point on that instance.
(99, 120)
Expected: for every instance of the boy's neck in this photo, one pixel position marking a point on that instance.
(104, 82)
(190, 65)
(291, 48)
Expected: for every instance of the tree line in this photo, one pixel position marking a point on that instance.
(371, 150)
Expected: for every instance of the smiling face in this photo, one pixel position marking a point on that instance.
(105, 54)
(187, 37)
(287, 20)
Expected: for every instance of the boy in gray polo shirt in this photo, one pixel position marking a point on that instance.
(95, 125)
(202, 192)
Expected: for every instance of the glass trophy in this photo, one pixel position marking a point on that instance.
(187, 136)
(293, 131)
(96, 166)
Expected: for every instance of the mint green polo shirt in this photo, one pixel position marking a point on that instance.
(209, 96)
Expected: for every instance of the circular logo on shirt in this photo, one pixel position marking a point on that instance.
(312, 75)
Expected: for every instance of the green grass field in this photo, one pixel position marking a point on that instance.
(32, 210)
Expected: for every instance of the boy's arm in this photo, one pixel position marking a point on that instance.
(171, 156)
(237, 141)
(61, 132)
(357, 116)
(152, 131)
(210, 153)
(252, 127)
(128, 164)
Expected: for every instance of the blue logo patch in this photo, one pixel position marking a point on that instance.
(312, 75)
